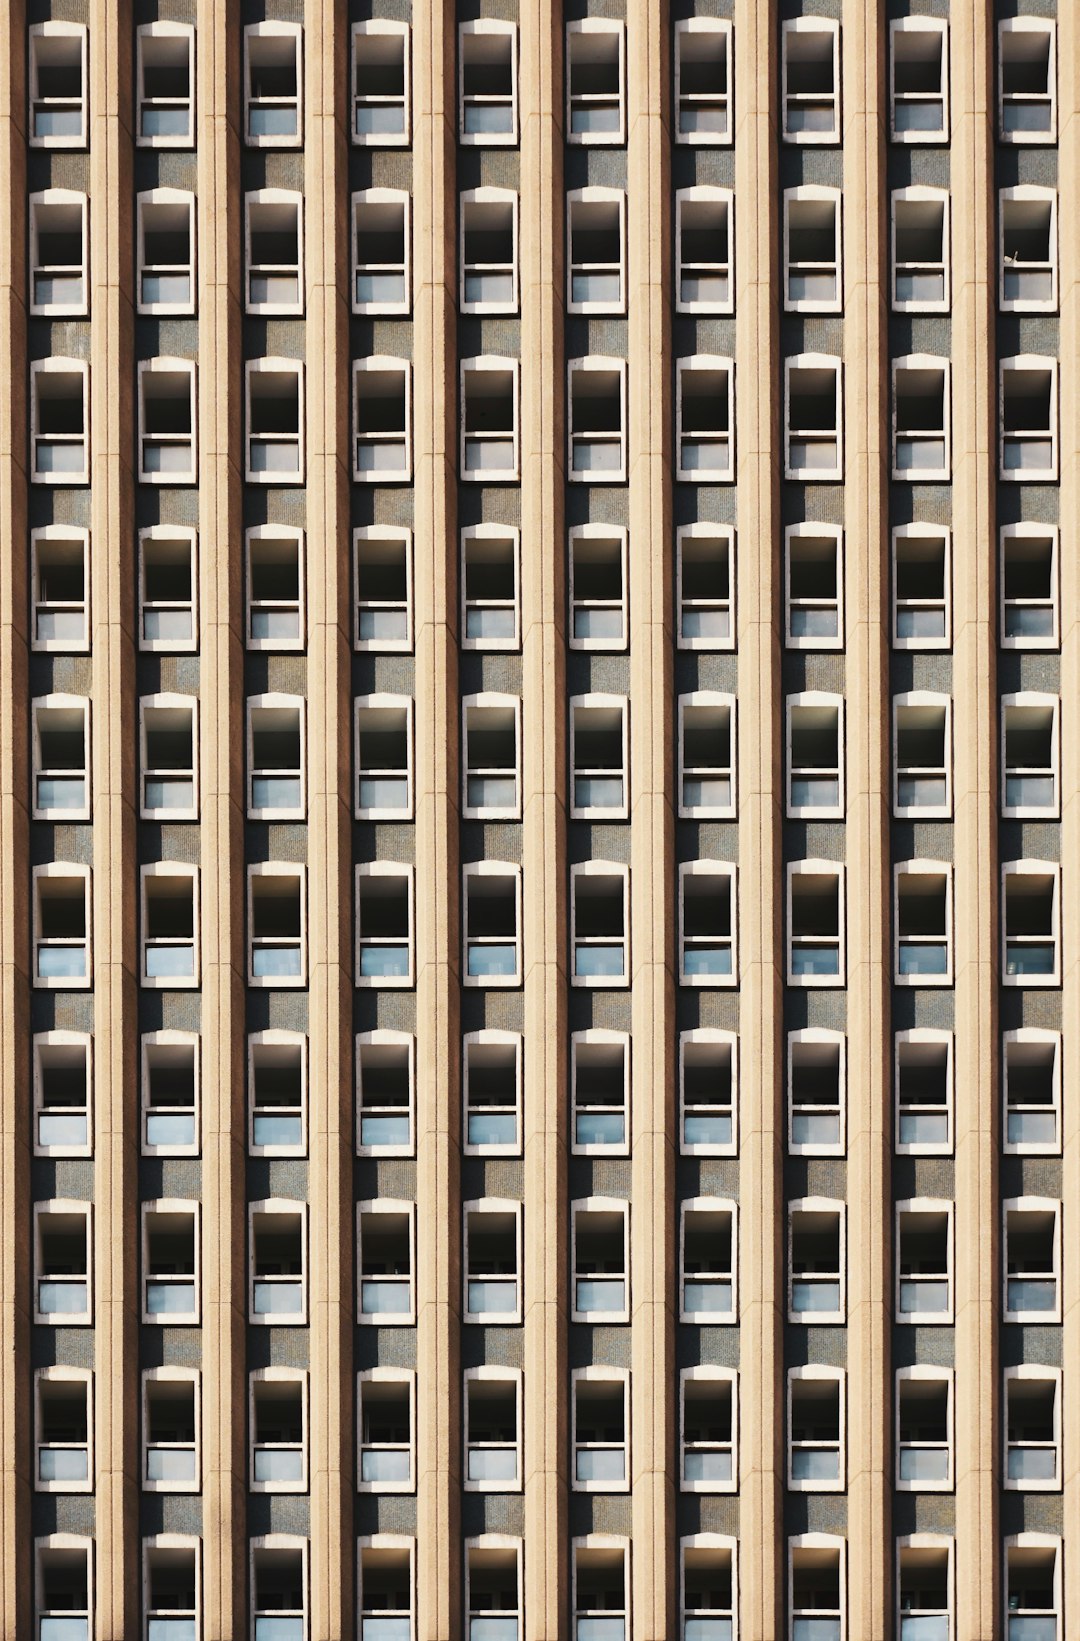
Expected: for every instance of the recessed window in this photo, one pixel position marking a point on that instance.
(597, 587)
(705, 586)
(63, 1586)
(62, 926)
(167, 421)
(816, 1093)
(707, 755)
(273, 85)
(705, 413)
(811, 80)
(924, 1262)
(489, 420)
(274, 231)
(1029, 587)
(487, 65)
(600, 1091)
(816, 924)
(60, 589)
(703, 81)
(63, 1253)
(599, 754)
(170, 1093)
(277, 925)
(491, 614)
(170, 1434)
(170, 1263)
(920, 250)
(597, 421)
(278, 1263)
(1033, 1579)
(382, 421)
(595, 237)
(924, 1585)
(817, 1591)
(708, 1290)
(708, 1082)
(1030, 923)
(381, 251)
(275, 757)
(386, 1431)
(924, 1092)
(384, 924)
(384, 741)
(601, 1587)
(1028, 449)
(814, 431)
(387, 1585)
(815, 587)
(491, 1093)
(922, 755)
(707, 924)
(489, 251)
(491, 1260)
(919, 48)
(1032, 1419)
(165, 85)
(922, 587)
(1029, 756)
(172, 1584)
(600, 1260)
(921, 419)
(815, 738)
(279, 1587)
(63, 1430)
(386, 1260)
(58, 86)
(60, 421)
(63, 1094)
(495, 1595)
(170, 739)
(170, 925)
(166, 252)
(275, 421)
(275, 587)
(383, 568)
(709, 1429)
(277, 1094)
(816, 1261)
(381, 83)
(1027, 85)
(709, 1580)
(168, 588)
(1031, 1259)
(491, 759)
(704, 247)
(816, 1430)
(491, 914)
(1031, 1077)
(61, 757)
(923, 923)
(1027, 220)
(812, 250)
(600, 924)
(924, 1430)
(600, 1411)
(59, 253)
(385, 1093)
(595, 82)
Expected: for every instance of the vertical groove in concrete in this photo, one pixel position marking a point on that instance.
(115, 881)
(438, 868)
(756, 72)
(868, 869)
(543, 596)
(975, 775)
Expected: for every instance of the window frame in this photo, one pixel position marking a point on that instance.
(276, 1038)
(277, 869)
(919, 194)
(820, 1374)
(711, 868)
(1030, 532)
(939, 136)
(489, 364)
(65, 1207)
(180, 197)
(831, 364)
(63, 1375)
(274, 702)
(588, 364)
(46, 198)
(691, 364)
(683, 30)
(81, 1544)
(719, 1038)
(1037, 1373)
(598, 532)
(609, 869)
(374, 27)
(1035, 1541)
(383, 702)
(704, 194)
(175, 1376)
(381, 646)
(719, 701)
(55, 29)
(917, 474)
(925, 1036)
(71, 871)
(833, 1542)
(510, 870)
(497, 1375)
(1028, 866)
(406, 873)
(491, 532)
(54, 365)
(1039, 700)
(837, 1208)
(922, 699)
(168, 365)
(1029, 1204)
(160, 29)
(278, 1207)
(913, 1207)
(271, 365)
(596, 139)
(283, 197)
(169, 646)
(386, 1376)
(481, 196)
(595, 195)
(272, 28)
(928, 1541)
(1032, 1035)
(934, 1374)
(813, 193)
(275, 533)
(269, 1544)
(709, 1373)
(403, 1543)
(596, 1374)
(58, 1038)
(60, 702)
(1028, 25)
(594, 1036)
(490, 700)
(168, 701)
(384, 1037)
(191, 1209)
(75, 535)
(620, 1207)
(599, 703)
(1028, 364)
(812, 531)
(920, 867)
(487, 139)
(169, 1039)
(710, 1205)
(923, 532)
(383, 364)
(494, 1037)
(377, 197)
(821, 1037)
(722, 534)
(397, 1208)
(821, 869)
(815, 700)
(1028, 195)
(719, 1543)
(811, 25)
(483, 1207)
(612, 1543)
(171, 1541)
(175, 869)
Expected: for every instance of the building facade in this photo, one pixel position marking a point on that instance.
(539, 820)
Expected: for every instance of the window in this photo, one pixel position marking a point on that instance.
(172, 1585)
(492, 1261)
(1027, 220)
(491, 891)
(1029, 587)
(704, 247)
(491, 763)
(1028, 450)
(815, 735)
(709, 1082)
(63, 1587)
(386, 1232)
(709, 1580)
(275, 757)
(709, 1429)
(493, 1430)
(278, 1430)
(599, 757)
(385, 1093)
(277, 925)
(277, 1094)
(816, 924)
(273, 85)
(1029, 756)
(170, 924)
(703, 80)
(60, 421)
(380, 251)
(277, 1295)
(600, 1255)
(922, 755)
(387, 1586)
(811, 83)
(924, 1092)
(62, 926)
(495, 1595)
(166, 252)
(274, 237)
(168, 588)
(922, 587)
(170, 1262)
(489, 420)
(167, 421)
(170, 740)
(1031, 1076)
(817, 1064)
(60, 589)
(924, 1430)
(595, 82)
(597, 421)
(707, 756)
(382, 421)
(1032, 1420)
(924, 1586)
(920, 250)
(170, 1430)
(63, 1094)
(63, 1285)
(923, 923)
(489, 251)
(814, 432)
(384, 736)
(275, 588)
(921, 418)
(58, 86)
(165, 82)
(601, 1587)
(487, 66)
(816, 1261)
(1033, 1579)
(817, 1417)
(386, 1431)
(920, 80)
(279, 1580)
(813, 247)
(708, 1253)
(275, 422)
(705, 436)
(170, 1093)
(600, 923)
(1026, 90)
(601, 1438)
(383, 558)
(1032, 1259)
(705, 586)
(816, 1587)
(64, 1430)
(1030, 923)
(708, 933)
(491, 614)
(815, 587)
(59, 253)
(924, 1261)
(600, 1090)
(384, 924)
(381, 83)
(491, 1091)
(598, 587)
(61, 752)
(596, 239)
